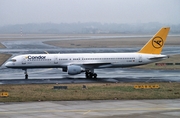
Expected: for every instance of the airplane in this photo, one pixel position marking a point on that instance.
(77, 63)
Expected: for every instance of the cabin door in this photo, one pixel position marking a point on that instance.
(55, 59)
(23, 60)
(140, 58)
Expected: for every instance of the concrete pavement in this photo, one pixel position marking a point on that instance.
(92, 109)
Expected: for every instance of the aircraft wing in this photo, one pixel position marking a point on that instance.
(92, 64)
(95, 65)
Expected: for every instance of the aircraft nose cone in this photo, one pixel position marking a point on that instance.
(8, 64)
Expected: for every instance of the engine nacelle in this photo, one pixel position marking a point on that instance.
(74, 70)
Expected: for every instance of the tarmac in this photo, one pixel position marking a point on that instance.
(93, 109)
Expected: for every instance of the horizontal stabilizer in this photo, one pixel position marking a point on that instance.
(159, 57)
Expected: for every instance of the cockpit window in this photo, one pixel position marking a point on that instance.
(13, 60)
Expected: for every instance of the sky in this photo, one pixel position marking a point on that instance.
(104, 11)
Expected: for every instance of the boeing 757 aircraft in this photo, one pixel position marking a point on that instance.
(78, 63)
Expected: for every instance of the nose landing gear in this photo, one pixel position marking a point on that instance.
(26, 74)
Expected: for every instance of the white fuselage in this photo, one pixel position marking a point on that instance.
(85, 60)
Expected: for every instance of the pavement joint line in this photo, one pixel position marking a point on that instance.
(92, 110)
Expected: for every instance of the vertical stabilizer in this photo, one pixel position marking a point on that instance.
(156, 43)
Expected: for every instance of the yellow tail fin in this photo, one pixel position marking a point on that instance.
(156, 43)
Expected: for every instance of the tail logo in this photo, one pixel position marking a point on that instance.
(157, 42)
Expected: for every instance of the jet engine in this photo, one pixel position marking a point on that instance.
(74, 70)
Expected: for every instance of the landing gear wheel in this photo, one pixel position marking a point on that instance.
(87, 75)
(90, 75)
(26, 76)
(95, 76)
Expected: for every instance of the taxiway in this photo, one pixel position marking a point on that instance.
(93, 109)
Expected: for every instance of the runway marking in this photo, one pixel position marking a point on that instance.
(92, 110)
(87, 112)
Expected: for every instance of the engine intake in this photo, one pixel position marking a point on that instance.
(74, 70)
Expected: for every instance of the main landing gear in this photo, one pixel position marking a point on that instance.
(26, 74)
(91, 75)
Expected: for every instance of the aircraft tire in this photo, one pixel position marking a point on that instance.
(26, 76)
(94, 76)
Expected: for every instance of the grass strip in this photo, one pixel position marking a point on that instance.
(4, 58)
(2, 46)
(110, 91)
